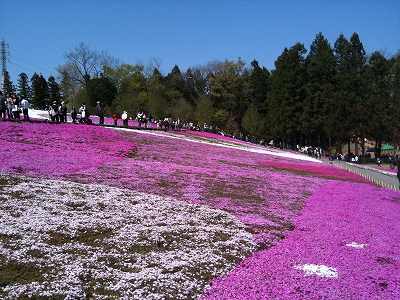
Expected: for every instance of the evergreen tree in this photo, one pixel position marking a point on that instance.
(40, 92)
(190, 92)
(23, 86)
(174, 86)
(8, 87)
(394, 82)
(287, 96)
(319, 103)
(342, 115)
(54, 90)
(157, 103)
(379, 104)
(251, 122)
(204, 111)
(101, 89)
(259, 86)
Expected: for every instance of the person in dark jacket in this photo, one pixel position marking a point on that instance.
(63, 112)
(398, 171)
(74, 114)
(100, 112)
(3, 106)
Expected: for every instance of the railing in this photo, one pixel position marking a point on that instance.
(362, 172)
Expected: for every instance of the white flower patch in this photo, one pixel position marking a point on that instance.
(71, 240)
(356, 245)
(318, 270)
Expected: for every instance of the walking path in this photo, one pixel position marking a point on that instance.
(379, 177)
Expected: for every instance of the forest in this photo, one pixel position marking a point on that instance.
(327, 95)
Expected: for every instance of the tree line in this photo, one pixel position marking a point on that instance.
(327, 96)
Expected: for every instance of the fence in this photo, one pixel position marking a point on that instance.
(391, 183)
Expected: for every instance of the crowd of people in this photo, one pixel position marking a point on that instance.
(12, 107)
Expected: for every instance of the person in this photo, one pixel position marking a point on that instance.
(63, 112)
(25, 109)
(398, 171)
(379, 162)
(73, 114)
(100, 112)
(3, 106)
(82, 111)
(124, 118)
(15, 108)
(115, 118)
(10, 108)
(54, 112)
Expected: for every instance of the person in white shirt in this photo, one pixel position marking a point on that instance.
(124, 118)
(25, 109)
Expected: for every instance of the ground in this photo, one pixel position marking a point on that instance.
(89, 211)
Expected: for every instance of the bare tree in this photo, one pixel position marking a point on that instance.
(83, 63)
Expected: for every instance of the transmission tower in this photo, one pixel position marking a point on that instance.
(4, 54)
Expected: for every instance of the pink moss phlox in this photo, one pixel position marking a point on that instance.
(312, 169)
(338, 214)
(57, 150)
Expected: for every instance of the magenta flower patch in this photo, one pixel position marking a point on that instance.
(315, 260)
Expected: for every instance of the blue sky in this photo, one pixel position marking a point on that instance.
(187, 33)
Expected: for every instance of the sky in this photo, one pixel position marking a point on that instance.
(187, 33)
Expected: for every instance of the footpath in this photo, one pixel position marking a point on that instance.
(381, 178)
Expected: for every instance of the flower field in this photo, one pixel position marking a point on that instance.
(198, 219)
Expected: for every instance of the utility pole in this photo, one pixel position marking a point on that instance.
(4, 53)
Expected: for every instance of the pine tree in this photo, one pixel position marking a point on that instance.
(24, 91)
(54, 90)
(342, 115)
(316, 119)
(40, 92)
(379, 104)
(8, 87)
(259, 86)
(287, 95)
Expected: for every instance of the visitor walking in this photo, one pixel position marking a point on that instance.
(63, 112)
(3, 106)
(9, 108)
(74, 114)
(124, 118)
(15, 109)
(83, 112)
(54, 112)
(398, 171)
(25, 109)
(100, 112)
(115, 118)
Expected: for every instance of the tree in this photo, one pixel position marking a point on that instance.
(8, 87)
(342, 116)
(157, 103)
(40, 91)
(204, 111)
(130, 83)
(183, 110)
(174, 86)
(226, 89)
(83, 63)
(259, 86)
(287, 95)
(379, 103)
(319, 103)
(54, 90)
(190, 92)
(394, 82)
(101, 89)
(23, 86)
(252, 122)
